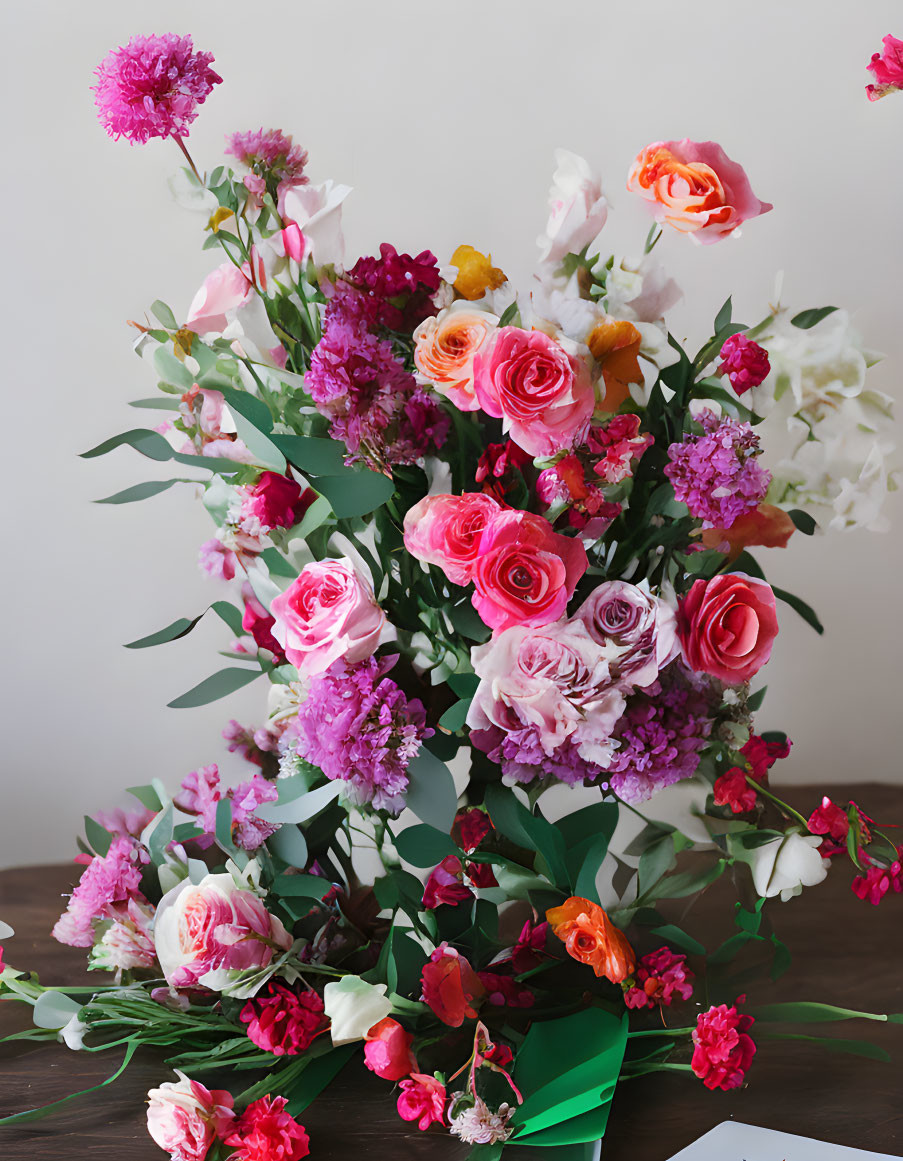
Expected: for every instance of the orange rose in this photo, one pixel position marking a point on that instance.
(615, 344)
(591, 937)
(444, 350)
(476, 274)
(766, 525)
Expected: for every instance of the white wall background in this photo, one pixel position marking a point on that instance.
(443, 118)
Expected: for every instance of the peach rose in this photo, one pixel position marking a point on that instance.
(446, 531)
(328, 612)
(694, 187)
(727, 626)
(185, 1118)
(591, 938)
(444, 350)
(544, 394)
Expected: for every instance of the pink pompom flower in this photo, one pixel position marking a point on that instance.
(152, 87)
(283, 1021)
(266, 1132)
(661, 977)
(887, 69)
(745, 363)
(723, 1051)
(422, 1100)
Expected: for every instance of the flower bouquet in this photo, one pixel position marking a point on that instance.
(490, 556)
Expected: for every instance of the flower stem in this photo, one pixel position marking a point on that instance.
(181, 144)
(778, 802)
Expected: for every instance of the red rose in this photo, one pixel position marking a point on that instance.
(727, 626)
(450, 986)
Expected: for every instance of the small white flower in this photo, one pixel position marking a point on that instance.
(73, 1035)
(577, 208)
(786, 865)
(353, 1007)
(477, 1124)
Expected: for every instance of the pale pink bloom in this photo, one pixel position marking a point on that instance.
(327, 612)
(185, 1118)
(638, 630)
(206, 932)
(694, 187)
(224, 289)
(127, 944)
(216, 560)
(446, 531)
(317, 211)
(544, 394)
(577, 208)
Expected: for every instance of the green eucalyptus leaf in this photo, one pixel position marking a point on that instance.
(799, 606)
(142, 491)
(99, 838)
(806, 319)
(431, 794)
(212, 688)
(803, 521)
(164, 315)
(355, 493)
(424, 846)
(313, 455)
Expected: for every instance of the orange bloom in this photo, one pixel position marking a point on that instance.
(444, 349)
(615, 343)
(766, 525)
(476, 274)
(591, 938)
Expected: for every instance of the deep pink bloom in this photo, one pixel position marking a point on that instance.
(499, 459)
(388, 1050)
(451, 986)
(505, 992)
(833, 822)
(283, 1021)
(422, 1100)
(723, 1051)
(104, 890)
(2, 965)
(398, 288)
(727, 626)
(877, 881)
(470, 827)
(660, 977)
(481, 875)
(276, 501)
(266, 1132)
(528, 951)
(259, 623)
(887, 69)
(618, 446)
(762, 755)
(152, 87)
(744, 362)
(732, 790)
(444, 884)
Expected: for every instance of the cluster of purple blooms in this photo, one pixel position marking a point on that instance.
(522, 758)
(108, 884)
(272, 157)
(356, 378)
(201, 794)
(357, 725)
(715, 473)
(152, 87)
(660, 735)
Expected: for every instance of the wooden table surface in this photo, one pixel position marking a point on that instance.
(844, 952)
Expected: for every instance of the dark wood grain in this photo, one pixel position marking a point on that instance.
(844, 952)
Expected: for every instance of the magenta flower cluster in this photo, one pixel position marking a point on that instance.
(356, 379)
(521, 755)
(272, 157)
(107, 885)
(745, 363)
(357, 725)
(152, 87)
(660, 735)
(201, 794)
(715, 473)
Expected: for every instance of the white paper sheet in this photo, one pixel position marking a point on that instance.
(732, 1141)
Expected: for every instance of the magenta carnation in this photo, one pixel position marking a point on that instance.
(661, 733)
(266, 1132)
(723, 1051)
(716, 474)
(152, 87)
(878, 880)
(357, 725)
(398, 289)
(660, 977)
(283, 1021)
(887, 69)
(107, 885)
(745, 363)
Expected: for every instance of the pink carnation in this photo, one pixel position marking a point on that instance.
(723, 1051)
(184, 1118)
(745, 363)
(106, 887)
(660, 977)
(266, 1132)
(283, 1021)
(887, 69)
(732, 790)
(152, 87)
(422, 1100)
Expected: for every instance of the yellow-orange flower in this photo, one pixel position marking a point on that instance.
(444, 349)
(476, 274)
(766, 525)
(591, 938)
(615, 344)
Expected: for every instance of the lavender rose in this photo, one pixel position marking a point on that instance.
(641, 628)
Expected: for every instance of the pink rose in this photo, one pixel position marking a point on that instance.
(525, 573)
(446, 531)
(207, 931)
(328, 612)
(638, 629)
(727, 626)
(422, 1100)
(224, 289)
(544, 394)
(695, 187)
(556, 680)
(185, 1118)
(388, 1050)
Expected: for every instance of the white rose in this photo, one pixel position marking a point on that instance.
(577, 208)
(786, 865)
(353, 1007)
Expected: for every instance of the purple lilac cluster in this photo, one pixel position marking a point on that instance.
(356, 379)
(108, 883)
(272, 157)
(660, 735)
(716, 474)
(152, 87)
(201, 793)
(523, 759)
(357, 725)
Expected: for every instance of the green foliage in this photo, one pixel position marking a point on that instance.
(806, 319)
(424, 846)
(212, 688)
